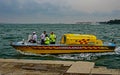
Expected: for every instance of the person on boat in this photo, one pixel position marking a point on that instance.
(47, 40)
(33, 38)
(42, 37)
(112, 43)
(52, 38)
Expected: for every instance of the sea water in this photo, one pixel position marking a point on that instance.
(16, 32)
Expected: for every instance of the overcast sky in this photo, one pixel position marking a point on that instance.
(58, 11)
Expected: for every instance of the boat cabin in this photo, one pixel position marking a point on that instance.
(80, 39)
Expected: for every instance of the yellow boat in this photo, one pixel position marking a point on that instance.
(69, 44)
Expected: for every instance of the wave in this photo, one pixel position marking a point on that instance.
(117, 50)
(88, 56)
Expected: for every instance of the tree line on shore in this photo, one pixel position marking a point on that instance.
(116, 21)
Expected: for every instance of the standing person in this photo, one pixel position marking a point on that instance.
(42, 37)
(33, 38)
(52, 38)
(47, 40)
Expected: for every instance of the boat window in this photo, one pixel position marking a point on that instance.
(64, 39)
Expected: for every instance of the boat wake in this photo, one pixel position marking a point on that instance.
(88, 56)
(117, 50)
(83, 56)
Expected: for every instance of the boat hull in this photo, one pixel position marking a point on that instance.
(44, 49)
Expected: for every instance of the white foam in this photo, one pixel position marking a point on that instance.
(117, 50)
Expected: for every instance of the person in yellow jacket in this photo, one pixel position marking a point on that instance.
(47, 40)
(52, 38)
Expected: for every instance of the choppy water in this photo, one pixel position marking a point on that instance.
(17, 32)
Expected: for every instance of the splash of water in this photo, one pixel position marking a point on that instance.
(81, 56)
(88, 56)
(117, 50)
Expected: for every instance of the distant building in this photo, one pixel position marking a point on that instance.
(83, 22)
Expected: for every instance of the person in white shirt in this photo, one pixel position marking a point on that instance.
(42, 37)
(33, 38)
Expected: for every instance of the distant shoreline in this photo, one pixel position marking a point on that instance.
(115, 21)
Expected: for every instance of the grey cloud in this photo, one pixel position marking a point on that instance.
(92, 6)
(59, 9)
(29, 7)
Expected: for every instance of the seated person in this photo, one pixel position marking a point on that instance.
(47, 40)
(32, 38)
